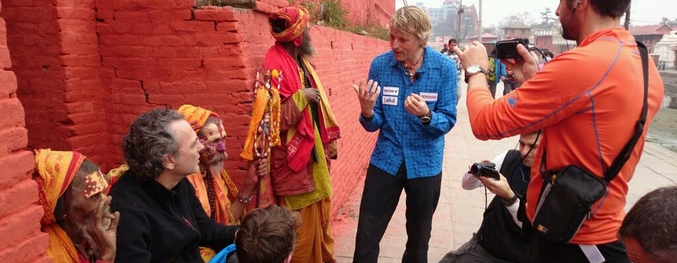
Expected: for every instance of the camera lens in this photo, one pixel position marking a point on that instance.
(475, 168)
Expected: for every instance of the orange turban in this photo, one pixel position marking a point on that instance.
(56, 171)
(196, 116)
(296, 18)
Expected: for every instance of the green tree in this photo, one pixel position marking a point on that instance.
(668, 22)
(546, 18)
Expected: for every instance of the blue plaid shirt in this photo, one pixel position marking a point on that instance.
(402, 137)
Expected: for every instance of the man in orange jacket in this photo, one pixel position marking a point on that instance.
(585, 101)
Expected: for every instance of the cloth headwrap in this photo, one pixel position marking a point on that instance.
(296, 18)
(56, 171)
(196, 116)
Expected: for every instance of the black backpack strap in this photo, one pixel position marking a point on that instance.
(639, 126)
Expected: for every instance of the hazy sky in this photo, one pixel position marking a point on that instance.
(643, 12)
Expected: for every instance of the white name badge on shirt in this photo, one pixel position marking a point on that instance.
(391, 91)
(427, 96)
(389, 100)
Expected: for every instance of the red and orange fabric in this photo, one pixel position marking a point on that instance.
(300, 140)
(296, 17)
(224, 187)
(55, 172)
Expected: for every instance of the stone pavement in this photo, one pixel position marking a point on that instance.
(459, 212)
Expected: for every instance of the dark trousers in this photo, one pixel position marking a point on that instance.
(543, 251)
(379, 200)
(509, 86)
(492, 88)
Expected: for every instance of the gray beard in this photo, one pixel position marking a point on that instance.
(215, 168)
(307, 49)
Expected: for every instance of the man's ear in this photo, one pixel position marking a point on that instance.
(168, 162)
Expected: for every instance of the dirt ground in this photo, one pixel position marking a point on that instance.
(663, 129)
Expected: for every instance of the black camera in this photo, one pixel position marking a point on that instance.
(508, 48)
(485, 169)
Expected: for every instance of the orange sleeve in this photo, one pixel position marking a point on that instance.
(547, 98)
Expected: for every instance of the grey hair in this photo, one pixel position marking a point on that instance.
(149, 139)
(413, 20)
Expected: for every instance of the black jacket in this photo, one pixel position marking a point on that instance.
(161, 225)
(499, 235)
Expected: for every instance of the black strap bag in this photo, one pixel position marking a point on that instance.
(567, 195)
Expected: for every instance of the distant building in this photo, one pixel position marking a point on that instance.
(551, 39)
(445, 20)
(650, 35)
(486, 38)
(516, 30)
(665, 51)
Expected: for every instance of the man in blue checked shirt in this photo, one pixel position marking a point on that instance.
(411, 98)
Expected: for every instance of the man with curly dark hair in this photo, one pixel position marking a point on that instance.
(162, 219)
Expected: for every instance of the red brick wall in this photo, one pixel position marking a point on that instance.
(35, 47)
(21, 239)
(359, 12)
(167, 59)
(84, 96)
(56, 61)
(83, 76)
(369, 12)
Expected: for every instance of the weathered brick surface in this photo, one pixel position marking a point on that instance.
(56, 63)
(20, 237)
(34, 45)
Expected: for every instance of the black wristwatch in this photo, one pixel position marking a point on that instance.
(425, 119)
(509, 202)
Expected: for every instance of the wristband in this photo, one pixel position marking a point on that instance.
(509, 202)
(244, 200)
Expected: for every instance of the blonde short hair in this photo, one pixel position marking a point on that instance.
(413, 20)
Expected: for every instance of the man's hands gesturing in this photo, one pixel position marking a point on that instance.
(367, 96)
(415, 105)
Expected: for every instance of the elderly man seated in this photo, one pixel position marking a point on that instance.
(77, 217)
(220, 198)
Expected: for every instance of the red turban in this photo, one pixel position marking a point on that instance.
(296, 18)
